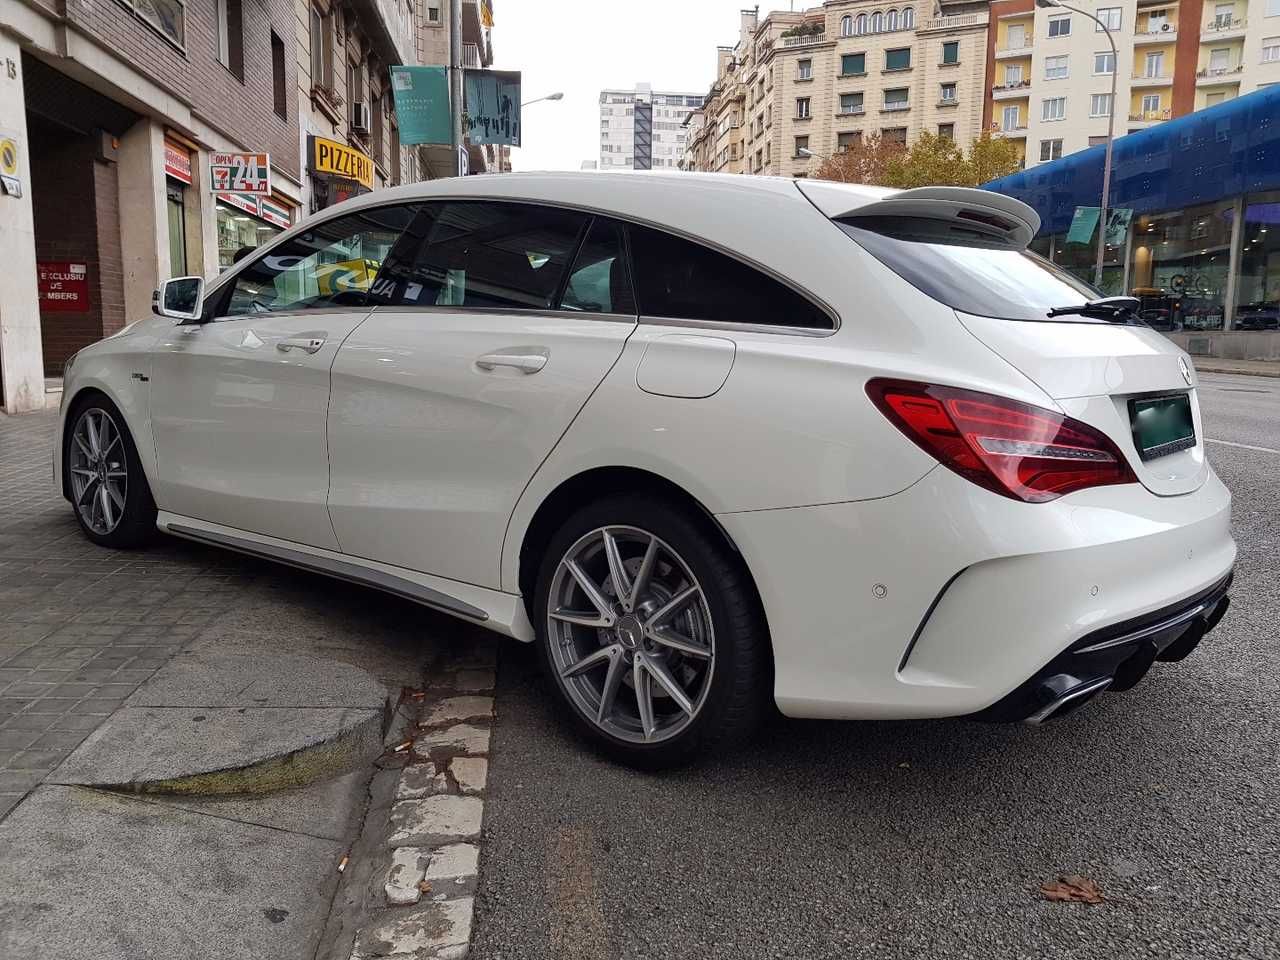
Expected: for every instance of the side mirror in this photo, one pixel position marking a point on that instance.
(180, 299)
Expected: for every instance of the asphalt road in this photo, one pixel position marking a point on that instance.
(926, 839)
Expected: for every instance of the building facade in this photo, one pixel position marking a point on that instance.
(1049, 71)
(798, 87)
(643, 129)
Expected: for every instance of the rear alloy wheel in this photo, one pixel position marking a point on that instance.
(108, 488)
(632, 613)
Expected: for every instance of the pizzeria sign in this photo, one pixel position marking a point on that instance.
(331, 158)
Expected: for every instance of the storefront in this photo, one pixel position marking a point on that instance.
(1202, 246)
(178, 180)
(246, 222)
(338, 172)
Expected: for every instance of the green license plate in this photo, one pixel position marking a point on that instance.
(1162, 425)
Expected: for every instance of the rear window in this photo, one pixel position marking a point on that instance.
(969, 270)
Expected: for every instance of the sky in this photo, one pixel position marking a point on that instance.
(580, 47)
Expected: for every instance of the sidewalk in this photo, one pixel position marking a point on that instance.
(1251, 368)
(190, 741)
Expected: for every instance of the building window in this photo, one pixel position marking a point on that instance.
(1104, 64)
(1054, 109)
(224, 39)
(375, 129)
(1010, 118)
(1110, 17)
(948, 93)
(1157, 21)
(804, 69)
(951, 52)
(860, 24)
(1097, 141)
(899, 59)
(1271, 50)
(896, 135)
(1213, 99)
(279, 98)
(896, 99)
(947, 131)
(877, 22)
(1180, 263)
(891, 20)
(1219, 60)
(1059, 26)
(230, 15)
(1150, 105)
(853, 64)
(1013, 74)
(433, 14)
(1155, 64)
(1050, 149)
(847, 141)
(850, 103)
(1100, 105)
(908, 18)
(169, 17)
(802, 108)
(321, 50)
(1055, 68)
(802, 143)
(846, 26)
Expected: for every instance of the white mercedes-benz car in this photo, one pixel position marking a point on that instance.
(708, 441)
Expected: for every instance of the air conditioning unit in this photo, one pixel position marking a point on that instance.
(360, 122)
(1165, 27)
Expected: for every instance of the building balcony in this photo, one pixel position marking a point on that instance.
(1013, 133)
(808, 40)
(1223, 28)
(471, 56)
(1149, 116)
(854, 112)
(1143, 80)
(1167, 33)
(1213, 76)
(952, 23)
(895, 107)
(1011, 53)
(1011, 91)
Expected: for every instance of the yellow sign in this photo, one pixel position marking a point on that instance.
(339, 160)
(8, 157)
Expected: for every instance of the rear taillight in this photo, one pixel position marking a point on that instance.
(1012, 448)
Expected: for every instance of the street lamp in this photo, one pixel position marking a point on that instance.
(806, 152)
(550, 96)
(1111, 126)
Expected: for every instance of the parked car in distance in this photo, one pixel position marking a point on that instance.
(709, 442)
(1258, 316)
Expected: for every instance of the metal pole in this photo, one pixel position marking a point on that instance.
(455, 80)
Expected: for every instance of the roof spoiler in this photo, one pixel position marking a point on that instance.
(1004, 219)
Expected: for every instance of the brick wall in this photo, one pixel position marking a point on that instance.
(242, 111)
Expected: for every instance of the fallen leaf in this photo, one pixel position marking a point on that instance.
(424, 886)
(1075, 889)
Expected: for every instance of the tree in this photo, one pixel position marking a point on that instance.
(864, 161)
(932, 160)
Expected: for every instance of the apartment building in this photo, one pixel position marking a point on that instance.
(1049, 71)
(644, 129)
(800, 86)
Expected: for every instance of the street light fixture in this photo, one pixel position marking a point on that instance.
(550, 96)
(1111, 126)
(806, 152)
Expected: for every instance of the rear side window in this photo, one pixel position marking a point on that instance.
(968, 270)
(334, 264)
(480, 253)
(599, 281)
(680, 280)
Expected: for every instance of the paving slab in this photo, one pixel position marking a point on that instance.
(157, 747)
(243, 891)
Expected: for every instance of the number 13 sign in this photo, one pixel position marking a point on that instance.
(240, 172)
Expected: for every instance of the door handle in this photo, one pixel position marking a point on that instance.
(305, 344)
(526, 362)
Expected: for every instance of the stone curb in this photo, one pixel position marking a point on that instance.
(432, 851)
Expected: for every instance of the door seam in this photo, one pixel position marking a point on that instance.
(328, 458)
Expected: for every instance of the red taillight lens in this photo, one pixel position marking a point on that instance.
(1017, 450)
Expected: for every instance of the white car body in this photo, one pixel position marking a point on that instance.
(892, 586)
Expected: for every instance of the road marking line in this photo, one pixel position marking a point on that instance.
(1242, 446)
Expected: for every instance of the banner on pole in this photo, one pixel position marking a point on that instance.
(493, 106)
(422, 104)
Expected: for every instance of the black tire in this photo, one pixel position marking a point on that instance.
(737, 695)
(136, 524)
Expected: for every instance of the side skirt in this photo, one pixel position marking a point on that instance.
(501, 612)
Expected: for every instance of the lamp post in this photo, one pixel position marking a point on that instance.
(1111, 126)
(550, 96)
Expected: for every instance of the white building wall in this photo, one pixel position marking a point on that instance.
(617, 126)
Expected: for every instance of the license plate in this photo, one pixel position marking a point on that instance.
(1162, 425)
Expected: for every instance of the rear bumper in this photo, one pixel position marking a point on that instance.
(946, 599)
(1113, 658)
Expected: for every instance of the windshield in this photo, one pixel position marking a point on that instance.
(968, 271)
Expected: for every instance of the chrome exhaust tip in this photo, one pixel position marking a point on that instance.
(1068, 701)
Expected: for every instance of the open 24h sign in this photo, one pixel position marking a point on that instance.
(240, 173)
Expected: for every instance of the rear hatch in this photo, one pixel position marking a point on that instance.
(966, 248)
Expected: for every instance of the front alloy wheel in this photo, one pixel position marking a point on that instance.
(99, 471)
(631, 634)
